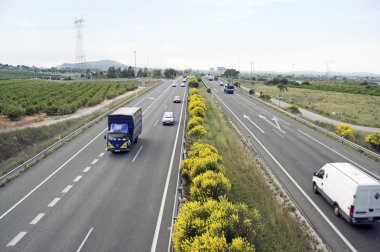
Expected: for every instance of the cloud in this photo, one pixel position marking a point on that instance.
(374, 15)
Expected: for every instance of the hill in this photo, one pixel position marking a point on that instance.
(100, 65)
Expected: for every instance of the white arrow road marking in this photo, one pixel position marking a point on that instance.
(278, 133)
(265, 119)
(272, 115)
(276, 120)
(247, 117)
(216, 90)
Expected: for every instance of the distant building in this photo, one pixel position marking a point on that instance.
(221, 70)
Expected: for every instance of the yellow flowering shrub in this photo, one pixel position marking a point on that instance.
(216, 226)
(209, 185)
(192, 167)
(195, 121)
(345, 130)
(202, 150)
(196, 103)
(197, 131)
(193, 91)
(198, 111)
(374, 139)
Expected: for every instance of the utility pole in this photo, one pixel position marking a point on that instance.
(80, 58)
(251, 62)
(293, 71)
(135, 64)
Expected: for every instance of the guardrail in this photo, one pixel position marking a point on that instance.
(68, 137)
(312, 125)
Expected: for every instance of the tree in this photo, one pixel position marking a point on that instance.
(346, 131)
(374, 139)
(281, 87)
(140, 73)
(131, 72)
(145, 72)
(156, 73)
(124, 73)
(231, 73)
(170, 73)
(193, 82)
(111, 72)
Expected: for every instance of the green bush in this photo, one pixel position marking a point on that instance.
(14, 112)
(265, 97)
(293, 109)
(217, 226)
(251, 92)
(209, 185)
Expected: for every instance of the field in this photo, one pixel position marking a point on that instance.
(30, 97)
(282, 232)
(357, 108)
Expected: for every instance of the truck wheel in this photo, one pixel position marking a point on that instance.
(136, 139)
(315, 188)
(336, 210)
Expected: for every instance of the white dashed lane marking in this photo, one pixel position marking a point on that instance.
(54, 202)
(94, 161)
(101, 154)
(37, 219)
(67, 188)
(16, 239)
(77, 178)
(87, 169)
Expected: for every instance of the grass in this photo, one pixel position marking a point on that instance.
(251, 185)
(18, 146)
(358, 109)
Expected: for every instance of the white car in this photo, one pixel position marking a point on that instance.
(174, 85)
(177, 99)
(183, 84)
(168, 118)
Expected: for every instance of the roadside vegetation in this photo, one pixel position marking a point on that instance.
(233, 204)
(356, 109)
(30, 97)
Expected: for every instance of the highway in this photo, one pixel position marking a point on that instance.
(293, 152)
(83, 198)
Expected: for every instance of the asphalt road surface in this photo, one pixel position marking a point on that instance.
(293, 152)
(83, 198)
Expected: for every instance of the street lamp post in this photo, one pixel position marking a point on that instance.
(135, 64)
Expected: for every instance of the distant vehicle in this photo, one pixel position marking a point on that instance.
(215, 78)
(124, 128)
(177, 99)
(168, 118)
(184, 80)
(229, 89)
(221, 83)
(183, 84)
(354, 194)
(211, 78)
(173, 84)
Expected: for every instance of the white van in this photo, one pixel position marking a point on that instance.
(354, 194)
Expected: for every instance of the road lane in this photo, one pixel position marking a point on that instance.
(118, 198)
(301, 156)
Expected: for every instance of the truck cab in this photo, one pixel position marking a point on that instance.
(229, 89)
(118, 138)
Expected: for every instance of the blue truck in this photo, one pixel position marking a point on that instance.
(124, 128)
(229, 89)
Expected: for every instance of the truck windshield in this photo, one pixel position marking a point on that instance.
(116, 136)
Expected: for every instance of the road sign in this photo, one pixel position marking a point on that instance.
(280, 97)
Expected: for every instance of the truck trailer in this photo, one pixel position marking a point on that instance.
(354, 194)
(124, 128)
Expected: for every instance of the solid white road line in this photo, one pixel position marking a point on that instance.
(51, 175)
(155, 123)
(67, 188)
(94, 161)
(54, 201)
(37, 219)
(85, 239)
(137, 154)
(249, 119)
(16, 239)
(344, 239)
(158, 225)
(87, 169)
(278, 133)
(101, 154)
(77, 178)
(166, 106)
(373, 174)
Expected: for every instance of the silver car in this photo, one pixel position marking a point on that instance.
(168, 118)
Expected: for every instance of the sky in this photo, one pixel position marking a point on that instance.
(275, 35)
